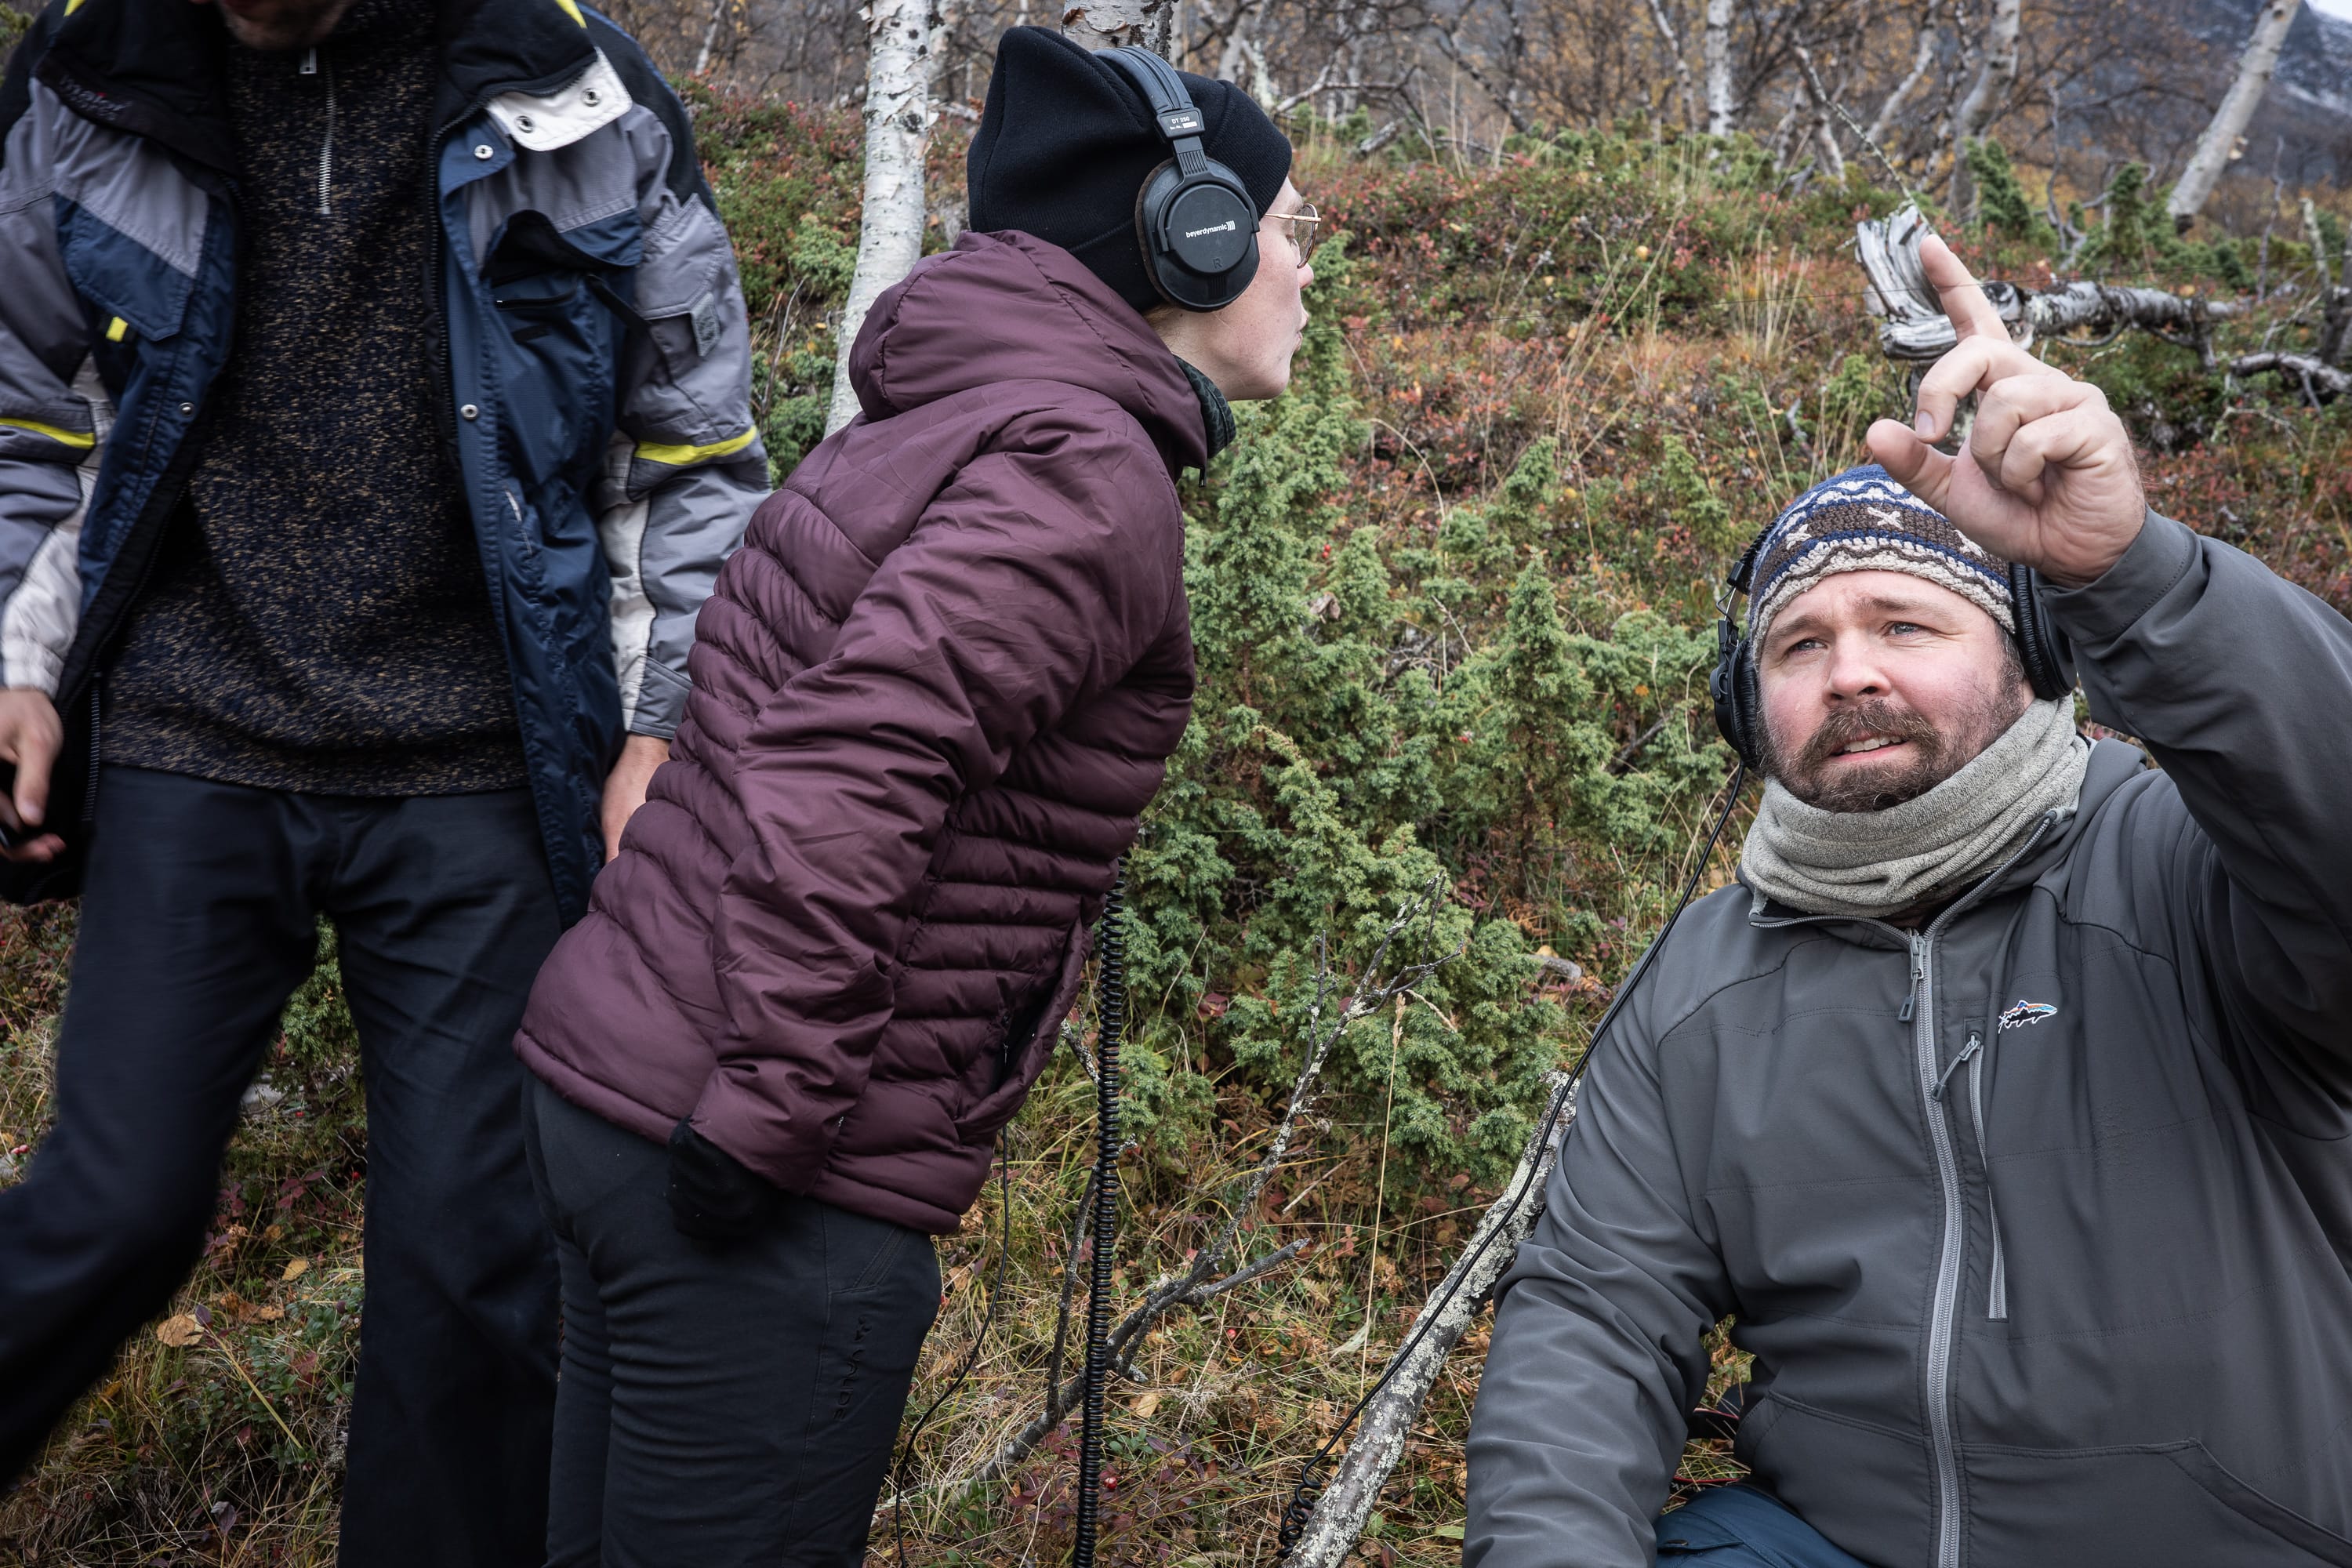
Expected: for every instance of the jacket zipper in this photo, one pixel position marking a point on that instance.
(1919, 1008)
(327, 146)
(1997, 1293)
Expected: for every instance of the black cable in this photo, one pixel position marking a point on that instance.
(1111, 1009)
(971, 1357)
(1303, 1497)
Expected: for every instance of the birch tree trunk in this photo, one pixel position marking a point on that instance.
(1684, 88)
(897, 126)
(2220, 143)
(1998, 70)
(1715, 45)
(1824, 132)
(1108, 23)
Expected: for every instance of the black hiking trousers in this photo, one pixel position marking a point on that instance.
(198, 919)
(721, 1408)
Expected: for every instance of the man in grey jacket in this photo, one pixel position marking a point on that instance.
(2004, 1106)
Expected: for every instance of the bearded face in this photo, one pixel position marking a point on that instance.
(1878, 685)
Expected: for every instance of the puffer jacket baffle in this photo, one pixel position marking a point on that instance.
(931, 695)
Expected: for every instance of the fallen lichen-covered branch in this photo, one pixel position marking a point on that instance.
(1914, 326)
(1346, 1502)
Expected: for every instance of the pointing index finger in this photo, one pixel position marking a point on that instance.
(1972, 315)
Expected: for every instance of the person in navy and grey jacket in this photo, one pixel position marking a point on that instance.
(2005, 1104)
(373, 421)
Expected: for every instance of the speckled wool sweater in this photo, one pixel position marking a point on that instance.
(318, 620)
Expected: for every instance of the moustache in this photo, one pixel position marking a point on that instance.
(1874, 716)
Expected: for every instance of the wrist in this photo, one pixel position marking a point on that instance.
(2081, 568)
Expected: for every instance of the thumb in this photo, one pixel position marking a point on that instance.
(1915, 466)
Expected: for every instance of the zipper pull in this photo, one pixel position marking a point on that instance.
(1966, 1051)
(309, 62)
(1919, 969)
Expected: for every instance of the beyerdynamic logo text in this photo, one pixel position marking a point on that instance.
(1213, 228)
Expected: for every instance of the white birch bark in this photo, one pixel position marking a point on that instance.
(1825, 134)
(1108, 23)
(1996, 70)
(1337, 1520)
(1715, 45)
(1684, 88)
(2220, 143)
(897, 126)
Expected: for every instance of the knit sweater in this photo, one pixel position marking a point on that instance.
(318, 619)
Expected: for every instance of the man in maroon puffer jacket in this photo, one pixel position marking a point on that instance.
(932, 694)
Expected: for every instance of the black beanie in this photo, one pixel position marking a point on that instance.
(1066, 140)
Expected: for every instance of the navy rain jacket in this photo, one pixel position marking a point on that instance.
(597, 408)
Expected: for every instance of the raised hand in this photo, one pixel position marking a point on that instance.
(2047, 476)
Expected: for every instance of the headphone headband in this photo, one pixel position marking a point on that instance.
(1195, 220)
(1179, 120)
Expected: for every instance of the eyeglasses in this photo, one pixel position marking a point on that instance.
(1300, 228)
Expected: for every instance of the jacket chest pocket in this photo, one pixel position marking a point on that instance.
(556, 328)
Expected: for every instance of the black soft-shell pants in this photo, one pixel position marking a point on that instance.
(722, 1408)
(198, 920)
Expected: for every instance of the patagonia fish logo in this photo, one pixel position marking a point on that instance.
(2026, 1013)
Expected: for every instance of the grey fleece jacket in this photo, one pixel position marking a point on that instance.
(2039, 1223)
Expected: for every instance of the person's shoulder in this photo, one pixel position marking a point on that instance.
(648, 88)
(1714, 954)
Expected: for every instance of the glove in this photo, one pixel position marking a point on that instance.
(713, 1199)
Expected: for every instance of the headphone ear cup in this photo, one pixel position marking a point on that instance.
(1751, 704)
(2041, 647)
(1226, 249)
(1732, 686)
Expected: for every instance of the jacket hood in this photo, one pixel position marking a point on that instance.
(1010, 307)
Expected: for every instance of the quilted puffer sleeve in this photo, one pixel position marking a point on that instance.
(1038, 578)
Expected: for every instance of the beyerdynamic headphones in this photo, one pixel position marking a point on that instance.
(1193, 217)
(2041, 647)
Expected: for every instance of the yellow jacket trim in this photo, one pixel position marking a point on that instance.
(572, 10)
(73, 438)
(678, 456)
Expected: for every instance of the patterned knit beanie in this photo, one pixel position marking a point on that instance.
(1862, 520)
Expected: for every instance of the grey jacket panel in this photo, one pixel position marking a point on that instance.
(687, 467)
(51, 411)
(2149, 1128)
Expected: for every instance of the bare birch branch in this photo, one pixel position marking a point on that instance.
(2321, 382)
(1883, 121)
(1377, 987)
(1684, 88)
(1339, 1513)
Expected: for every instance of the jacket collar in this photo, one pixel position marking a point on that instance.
(153, 67)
